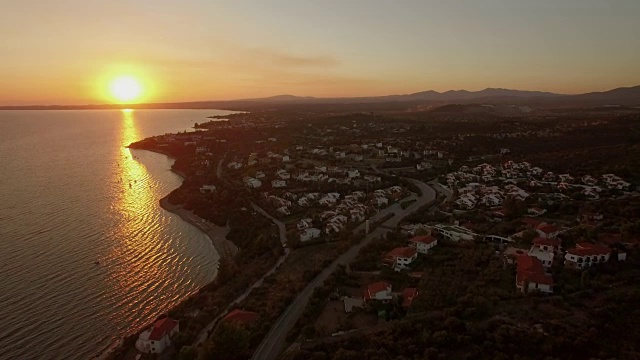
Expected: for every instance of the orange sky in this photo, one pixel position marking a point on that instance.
(67, 51)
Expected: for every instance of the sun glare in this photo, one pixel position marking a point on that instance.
(125, 89)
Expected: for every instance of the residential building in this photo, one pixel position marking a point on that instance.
(530, 275)
(423, 244)
(380, 291)
(455, 232)
(400, 258)
(157, 338)
(304, 224)
(309, 233)
(585, 255)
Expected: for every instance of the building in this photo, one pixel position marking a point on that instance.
(455, 232)
(252, 182)
(422, 244)
(309, 233)
(585, 255)
(240, 317)
(400, 258)
(304, 224)
(278, 183)
(545, 244)
(547, 231)
(530, 275)
(158, 337)
(380, 291)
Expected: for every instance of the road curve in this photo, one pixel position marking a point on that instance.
(272, 345)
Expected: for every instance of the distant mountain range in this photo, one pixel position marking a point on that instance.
(430, 95)
(627, 96)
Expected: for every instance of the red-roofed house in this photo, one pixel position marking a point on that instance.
(240, 317)
(586, 254)
(157, 338)
(380, 290)
(547, 231)
(408, 294)
(423, 243)
(547, 244)
(530, 275)
(400, 258)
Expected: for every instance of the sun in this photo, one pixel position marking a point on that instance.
(125, 89)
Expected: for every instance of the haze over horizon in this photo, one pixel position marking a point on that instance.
(215, 50)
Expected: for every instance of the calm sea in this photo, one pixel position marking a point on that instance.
(71, 195)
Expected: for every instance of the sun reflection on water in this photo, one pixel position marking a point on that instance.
(141, 254)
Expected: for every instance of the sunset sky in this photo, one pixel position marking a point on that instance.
(67, 51)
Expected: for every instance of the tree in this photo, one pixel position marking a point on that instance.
(188, 353)
(229, 342)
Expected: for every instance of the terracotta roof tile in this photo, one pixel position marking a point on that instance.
(426, 239)
(161, 328)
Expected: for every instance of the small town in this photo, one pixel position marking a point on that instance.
(345, 224)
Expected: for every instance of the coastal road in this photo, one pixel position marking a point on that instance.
(204, 333)
(272, 345)
(281, 228)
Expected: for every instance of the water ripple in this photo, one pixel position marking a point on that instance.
(67, 203)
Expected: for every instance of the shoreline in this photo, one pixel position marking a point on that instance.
(216, 234)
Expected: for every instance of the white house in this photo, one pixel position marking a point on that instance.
(400, 258)
(158, 337)
(310, 233)
(454, 232)
(234, 165)
(283, 174)
(530, 275)
(545, 257)
(278, 183)
(549, 245)
(422, 244)
(380, 291)
(304, 224)
(252, 182)
(586, 254)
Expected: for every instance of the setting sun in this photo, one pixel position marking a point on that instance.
(125, 89)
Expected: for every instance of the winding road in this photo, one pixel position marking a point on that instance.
(204, 333)
(272, 345)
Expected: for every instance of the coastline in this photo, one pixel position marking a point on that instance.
(217, 234)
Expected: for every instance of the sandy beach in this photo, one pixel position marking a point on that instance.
(217, 234)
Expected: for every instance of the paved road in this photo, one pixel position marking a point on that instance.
(204, 333)
(281, 227)
(441, 189)
(273, 343)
